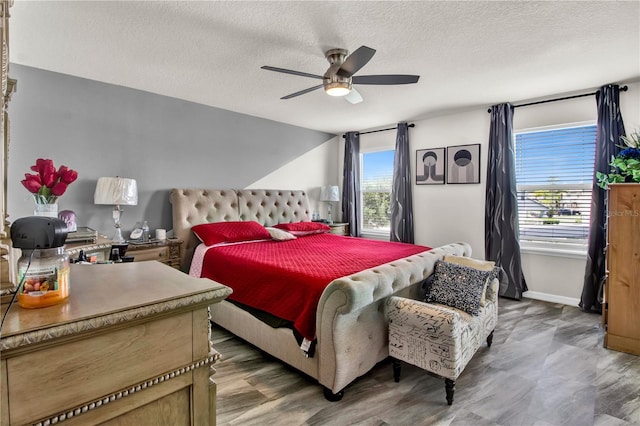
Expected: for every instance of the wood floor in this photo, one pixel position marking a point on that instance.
(546, 367)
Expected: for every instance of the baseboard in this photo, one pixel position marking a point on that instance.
(553, 298)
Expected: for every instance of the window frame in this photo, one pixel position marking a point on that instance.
(544, 246)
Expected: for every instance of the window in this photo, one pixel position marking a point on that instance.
(377, 177)
(554, 175)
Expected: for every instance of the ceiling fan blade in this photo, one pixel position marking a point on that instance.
(353, 97)
(302, 92)
(385, 79)
(355, 61)
(286, 71)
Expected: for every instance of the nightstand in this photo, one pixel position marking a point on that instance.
(101, 249)
(166, 251)
(339, 228)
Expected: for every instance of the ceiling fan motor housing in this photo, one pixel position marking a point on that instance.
(331, 80)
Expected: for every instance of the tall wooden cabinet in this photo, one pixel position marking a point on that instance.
(621, 309)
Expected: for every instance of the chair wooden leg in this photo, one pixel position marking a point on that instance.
(450, 387)
(396, 369)
(490, 338)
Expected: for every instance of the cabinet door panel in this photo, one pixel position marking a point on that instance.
(623, 262)
(58, 377)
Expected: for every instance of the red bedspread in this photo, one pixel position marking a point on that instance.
(287, 278)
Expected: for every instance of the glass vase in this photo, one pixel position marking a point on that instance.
(50, 210)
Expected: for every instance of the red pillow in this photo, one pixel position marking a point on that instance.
(230, 232)
(304, 228)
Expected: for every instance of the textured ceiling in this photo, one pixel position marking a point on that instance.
(468, 54)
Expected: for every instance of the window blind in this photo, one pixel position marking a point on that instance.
(554, 175)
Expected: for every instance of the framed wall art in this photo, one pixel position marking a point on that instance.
(431, 166)
(463, 164)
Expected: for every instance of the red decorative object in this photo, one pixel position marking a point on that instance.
(300, 229)
(48, 184)
(230, 232)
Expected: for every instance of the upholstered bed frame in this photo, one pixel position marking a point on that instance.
(351, 325)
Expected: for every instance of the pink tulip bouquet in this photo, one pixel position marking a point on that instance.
(48, 183)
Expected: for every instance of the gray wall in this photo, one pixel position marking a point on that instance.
(101, 129)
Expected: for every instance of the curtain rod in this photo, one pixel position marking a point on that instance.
(381, 130)
(622, 89)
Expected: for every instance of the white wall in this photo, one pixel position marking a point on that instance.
(442, 212)
(447, 213)
(309, 172)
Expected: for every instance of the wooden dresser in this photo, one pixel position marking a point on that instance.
(130, 346)
(621, 308)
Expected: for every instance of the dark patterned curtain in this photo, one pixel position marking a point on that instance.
(401, 199)
(351, 183)
(501, 206)
(609, 129)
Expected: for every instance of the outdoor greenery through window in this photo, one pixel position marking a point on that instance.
(375, 186)
(554, 175)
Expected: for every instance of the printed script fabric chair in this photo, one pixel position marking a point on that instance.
(438, 338)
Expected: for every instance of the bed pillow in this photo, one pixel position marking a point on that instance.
(483, 265)
(279, 234)
(230, 232)
(300, 229)
(458, 286)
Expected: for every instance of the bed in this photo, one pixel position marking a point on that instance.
(350, 325)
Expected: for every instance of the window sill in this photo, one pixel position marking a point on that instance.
(558, 250)
(373, 235)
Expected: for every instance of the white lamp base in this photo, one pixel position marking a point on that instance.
(329, 217)
(117, 236)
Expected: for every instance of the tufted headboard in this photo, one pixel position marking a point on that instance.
(192, 207)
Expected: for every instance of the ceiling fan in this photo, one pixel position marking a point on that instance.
(339, 79)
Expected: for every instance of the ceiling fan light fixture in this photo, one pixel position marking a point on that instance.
(338, 88)
(338, 79)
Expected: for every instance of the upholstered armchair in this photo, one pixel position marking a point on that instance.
(438, 338)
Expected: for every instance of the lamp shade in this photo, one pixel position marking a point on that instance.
(330, 193)
(116, 191)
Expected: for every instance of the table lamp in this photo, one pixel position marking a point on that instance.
(119, 192)
(331, 194)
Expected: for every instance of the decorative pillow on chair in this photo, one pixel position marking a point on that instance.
(483, 265)
(300, 229)
(230, 232)
(458, 286)
(279, 234)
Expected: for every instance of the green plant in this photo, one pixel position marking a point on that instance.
(625, 167)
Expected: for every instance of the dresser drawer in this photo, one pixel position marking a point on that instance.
(340, 228)
(158, 253)
(59, 377)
